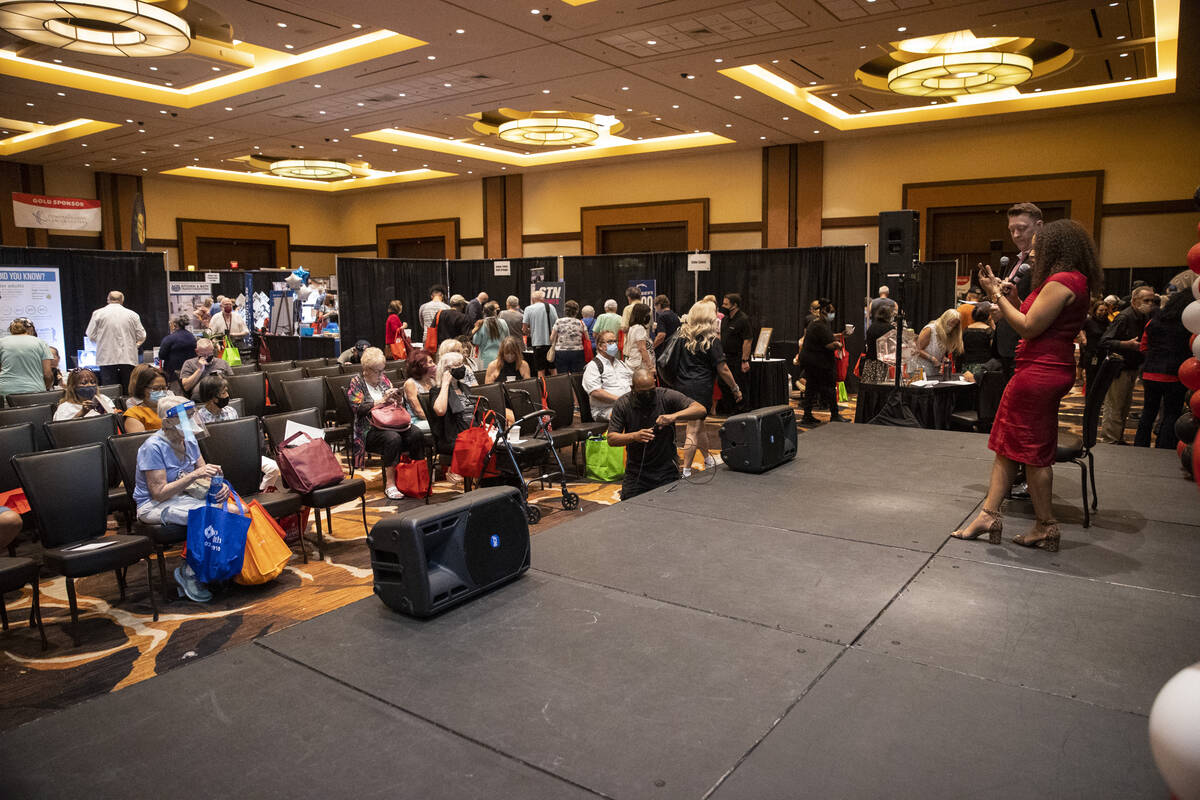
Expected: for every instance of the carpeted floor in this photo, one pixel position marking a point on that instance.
(122, 645)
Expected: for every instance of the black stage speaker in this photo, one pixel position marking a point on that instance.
(898, 241)
(434, 557)
(759, 440)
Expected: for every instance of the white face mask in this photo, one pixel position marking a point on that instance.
(612, 349)
(829, 317)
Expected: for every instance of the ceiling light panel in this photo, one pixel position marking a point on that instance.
(710, 29)
(846, 10)
(422, 89)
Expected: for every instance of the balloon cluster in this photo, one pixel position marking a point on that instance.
(298, 283)
(1189, 375)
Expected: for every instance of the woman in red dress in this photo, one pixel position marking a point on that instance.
(1065, 274)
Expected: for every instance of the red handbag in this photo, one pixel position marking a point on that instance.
(390, 416)
(472, 449)
(431, 339)
(308, 466)
(402, 346)
(412, 477)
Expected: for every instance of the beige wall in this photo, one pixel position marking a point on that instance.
(169, 198)
(355, 216)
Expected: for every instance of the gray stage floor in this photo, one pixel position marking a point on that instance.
(808, 632)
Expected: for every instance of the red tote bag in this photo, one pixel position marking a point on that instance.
(412, 477)
(472, 449)
(309, 465)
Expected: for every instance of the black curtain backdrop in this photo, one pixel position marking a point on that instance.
(367, 285)
(469, 277)
(87, 276)
(925, 295)
(593, 279)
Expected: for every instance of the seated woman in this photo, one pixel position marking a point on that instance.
(456, 346)
(148, 387)
(510, 364)
(172, 477)
(977, 338)
(212, 400)
(82, 397)
(420, 381)
(452, 403)
(10, 526)
(368, 390)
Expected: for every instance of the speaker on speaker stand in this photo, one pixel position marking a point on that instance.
(898, 254)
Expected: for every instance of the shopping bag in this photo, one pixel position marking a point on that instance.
(604, 462)
(588, 351)
(431, 335)
(472, 449)
(230, 355)
(412, 477)
(14, 500)
(400, 348)
(266, 552)
(308, 465)
(216, 541)
(842, 395)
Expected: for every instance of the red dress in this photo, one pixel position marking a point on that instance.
(1026, 426)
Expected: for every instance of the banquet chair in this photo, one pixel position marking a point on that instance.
(96, 430)
(253, 391)
(979, 419)
(323, 372)
(310, 393)
(15, 573)
(68, 492)
(37, 415)
(309, 363)
(24, 399)
(1073, 448)
(275, 380)
(276, 366)
(245, 369)
(15, 439)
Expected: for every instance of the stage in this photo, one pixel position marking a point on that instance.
(808, 632)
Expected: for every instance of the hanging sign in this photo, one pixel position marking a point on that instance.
(699, 262)
(59, 213)
(212, 277)
(35, 293)
(648, 287)
(501, 268)
(184, 296)
(555, 291)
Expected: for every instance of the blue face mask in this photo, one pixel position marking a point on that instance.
(86, 392)
(156, 396)
(612, 349)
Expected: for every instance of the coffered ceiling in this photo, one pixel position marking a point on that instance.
(399, 85)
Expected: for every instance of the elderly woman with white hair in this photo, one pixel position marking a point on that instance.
(172, 478)
(456, 346)
(371, 390)
(610, 320)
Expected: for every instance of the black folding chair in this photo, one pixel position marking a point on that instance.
(275, 380)
(38, 416)
(252, 389)
(96, 430)
(15, 573)
(323, 372)
(276, 366)
(23, 399)
(15, 439)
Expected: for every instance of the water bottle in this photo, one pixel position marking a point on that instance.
(214, 488)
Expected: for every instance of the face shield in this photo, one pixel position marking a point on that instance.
(183, 420)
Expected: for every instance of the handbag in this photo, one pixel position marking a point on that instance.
(401, 347)
(472, 449)
(667, 363)
(412, 477)
(431, 340)
(308, 465)
(231, 355)
(391, 416)
(604, 462)
(216, 540)
(266, 552)
(588, 351)
(552, 351)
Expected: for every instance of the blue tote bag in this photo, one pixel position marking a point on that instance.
(216, 541)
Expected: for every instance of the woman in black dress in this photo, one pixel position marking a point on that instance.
(697, 361)
(873, 370)
(1092, 353)
(977, 339)
(818, 357)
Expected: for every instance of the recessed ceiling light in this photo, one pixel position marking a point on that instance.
(356, 26)
(1128, 78)
(316, 86)
(651, 42)
(728, 124)
(194, 159)
(459, 30)
(161, 110)
(718, 61)
(168, 83)
(58, 61)
(1119, 38)
(129, 121)
(300, 146)
(114, 158)
(862, 47)
(504, 168)
(624, 88)
(346, 130)
(29, 104)
(62, 94)
(1113, 5)
(628, 109)
(424, 165)
(1037, 90)
(431, 58)
(83, 144)
(145, 170)
(320, 112)
(212, 137)
(535, 11)
(691, 77)
(289, 47)
(154, 69)
(902, 28)
(863, 110)
(545, 91)
(812, 83)
(931, 102)
(1123, 55)
(737, 97)
(816, 131)
(762, 137)
(143, 152)
(470, 172)
(402, 94)
(394, 149)
(281, 24)
(835, 94)
(675, 106)
(229, 108)
(216, 69)
(460, 161)
(360, 105)
(359, 155)
(174, 145)
(658, 119)
(87, 165)
(785, 119)
(256, 147)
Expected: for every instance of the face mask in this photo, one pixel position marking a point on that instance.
(458, 373)
(726, 309)
(829, 317)
(643, 399)
(158, 395)
(612, 349)
(222, 402)
(86, 392)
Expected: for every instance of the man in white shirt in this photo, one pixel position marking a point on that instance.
(537, 322)
(427, 311)
(117, 333)
(607, 377)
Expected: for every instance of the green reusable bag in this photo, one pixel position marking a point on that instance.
(604, 462)
(230, 354)
(842, 395)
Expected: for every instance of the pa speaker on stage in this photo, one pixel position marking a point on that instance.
(898, 241)
(759, 440)
(435, 557)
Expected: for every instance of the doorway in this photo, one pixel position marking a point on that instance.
(212, 253)
(420, 247)
(966, 233)
(651, 238)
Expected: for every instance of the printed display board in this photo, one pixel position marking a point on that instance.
(34, 293)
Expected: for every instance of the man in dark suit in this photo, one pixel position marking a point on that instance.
(1024, 223)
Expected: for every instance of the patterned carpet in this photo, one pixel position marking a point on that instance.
(122, 645)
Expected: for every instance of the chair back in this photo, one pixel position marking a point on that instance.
(87, 430)
(336, 386)
(37, 415)
(581, 397)
(561, 400)
(351, 369)
(493, 397)
(480, 376)
(245, 369)
(1096, 391)
(252, 390)
(275, 379)
(235, 445)
(396, 374)
(991, 389)
(67, 491)
(305, 393)
(14, 440)
(308, 363)
(437, 425)
(323, 372)
(238, 405)
(23, 399)
(276, 424)
(112, 391)
(124, 450)
(276, 366)
(523, 397)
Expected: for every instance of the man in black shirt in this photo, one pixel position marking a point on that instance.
(735, 341)
(666, 322)
(453, 321)
(475, 307)
(643, 422)
(1124, 337)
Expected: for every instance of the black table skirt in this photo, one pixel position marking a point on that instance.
(765, 385)
(295, 348)
(931, 405)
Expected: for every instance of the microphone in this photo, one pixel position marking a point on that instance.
(1023, 270)
(1004, 262)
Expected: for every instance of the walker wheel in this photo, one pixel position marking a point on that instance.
(570, 501)
(533, 514)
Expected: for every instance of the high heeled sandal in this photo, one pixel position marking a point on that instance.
(1048, 541)
(993, 529)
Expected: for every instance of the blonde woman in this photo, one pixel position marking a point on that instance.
(698, 361)
(936, 342)
(456, 346)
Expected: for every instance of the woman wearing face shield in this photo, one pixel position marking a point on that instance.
(82, 397)
(172, 478)
(818, 358)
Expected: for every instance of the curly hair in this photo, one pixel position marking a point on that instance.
(1065, 246)
(700, 330)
